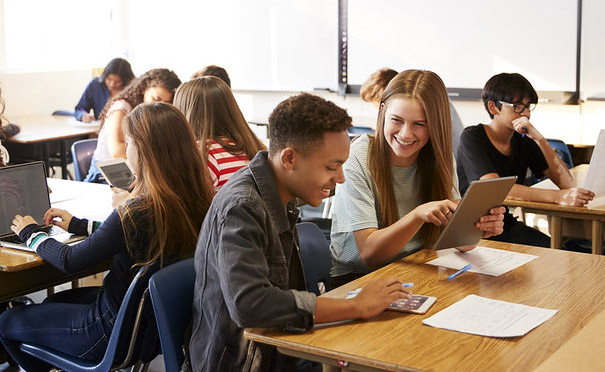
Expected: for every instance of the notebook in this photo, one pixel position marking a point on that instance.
(23, 191)
(480, 197)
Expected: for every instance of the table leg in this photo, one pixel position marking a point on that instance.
(46, 157)
(63, 159)
(555, 232)
(597, 237)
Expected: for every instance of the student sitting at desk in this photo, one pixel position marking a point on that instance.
(215, 71)
(161, 221)
(157, 85)
(400, 185)
(508, 146)
(116, 75)
(219, 126)
(248, 269)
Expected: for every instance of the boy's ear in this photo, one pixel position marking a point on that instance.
(493, 109)
(287, 157)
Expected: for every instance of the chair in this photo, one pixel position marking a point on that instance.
(171, 291)
(315, 255)
(63, 113)
(562, 150)
(81, 152)
(126, 347)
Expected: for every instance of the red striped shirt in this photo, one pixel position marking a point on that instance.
(222, 164)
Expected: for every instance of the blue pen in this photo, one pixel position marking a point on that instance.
(407, 285)
(356, 292)
(523, 134)
(463, 270)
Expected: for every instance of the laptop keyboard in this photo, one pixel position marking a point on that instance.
(50, 230)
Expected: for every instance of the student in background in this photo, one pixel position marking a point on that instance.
(213, 70)
(248, 269)
(157, 85)
(116, 75)
(6, 131)
(400, 185)
(226, 140)
(371, 91)
(161, 221)
(508, 146)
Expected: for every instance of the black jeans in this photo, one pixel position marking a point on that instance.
(519, 233)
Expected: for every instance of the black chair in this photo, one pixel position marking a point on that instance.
(81, 153)
(127, 346)
(315, 256)
(171, 290)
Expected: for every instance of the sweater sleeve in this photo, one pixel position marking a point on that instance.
(107, 241)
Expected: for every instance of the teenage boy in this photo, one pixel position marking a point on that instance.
(248, 269)
(507, 146)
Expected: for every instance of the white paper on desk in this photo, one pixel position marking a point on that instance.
(486, 317)
(484, 260)
(595, 181)
(80, 124)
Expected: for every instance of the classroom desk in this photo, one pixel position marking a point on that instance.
(23, 272)
(593, 212)
(568, 281)
(43, 130)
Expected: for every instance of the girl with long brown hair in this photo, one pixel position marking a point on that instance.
(160, 221)
(219, 126)
(157, 85)
(400, 185)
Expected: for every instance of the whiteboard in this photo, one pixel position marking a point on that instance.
(263, 44)
(466, 42)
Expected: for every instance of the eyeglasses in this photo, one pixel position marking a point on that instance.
(519, 107)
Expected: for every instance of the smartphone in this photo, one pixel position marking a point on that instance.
(116, 172)
(417, 304)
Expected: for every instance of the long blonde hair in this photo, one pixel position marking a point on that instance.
(435, 161)
(213, 113)
(172, 186)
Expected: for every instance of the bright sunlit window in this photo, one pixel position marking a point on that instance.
(42, 35)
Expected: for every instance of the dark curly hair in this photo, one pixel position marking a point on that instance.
(134, 92)
(301, 121)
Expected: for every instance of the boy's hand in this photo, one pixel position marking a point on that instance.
(524, 126)
(576, 197)
(377, 295)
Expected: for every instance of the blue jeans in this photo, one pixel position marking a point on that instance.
(94, 174)
(81, 330)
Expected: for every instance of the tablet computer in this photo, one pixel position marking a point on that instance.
(116, 172)
(480, 197)
(417, 304)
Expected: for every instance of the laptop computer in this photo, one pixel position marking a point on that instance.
(480, 197)
(23, 191)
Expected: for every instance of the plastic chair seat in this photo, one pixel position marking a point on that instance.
(81, 152)
(127, 346)
(315, 255)
(171, 290)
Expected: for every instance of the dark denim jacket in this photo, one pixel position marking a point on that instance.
(248, 274)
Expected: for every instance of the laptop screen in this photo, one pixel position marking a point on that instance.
(23, 191)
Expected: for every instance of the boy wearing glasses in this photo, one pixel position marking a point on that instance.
(508, 146)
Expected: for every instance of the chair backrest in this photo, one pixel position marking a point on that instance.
(315, 255)
(171, 291)
(562, 150)
(126, 343)
(81, 152)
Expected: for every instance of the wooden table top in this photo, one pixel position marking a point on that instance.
(41, 128)
(570, 282)
(594, 208)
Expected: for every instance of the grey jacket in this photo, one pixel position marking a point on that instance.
(248, 274)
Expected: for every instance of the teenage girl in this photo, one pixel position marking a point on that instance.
(400, 184)
(160, 221)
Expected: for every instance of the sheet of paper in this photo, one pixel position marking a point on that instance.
(486, 317)
(484, 260)
(595, 181)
